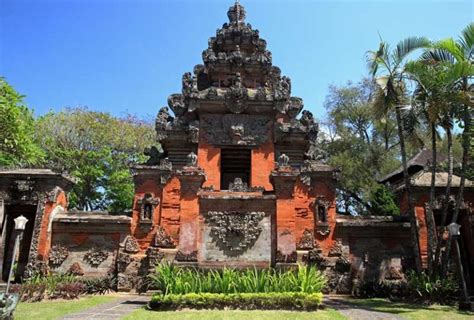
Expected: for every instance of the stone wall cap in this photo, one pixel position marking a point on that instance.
(34, 173)
(372, 221)
(91, 217)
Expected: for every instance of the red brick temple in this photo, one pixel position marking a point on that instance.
(239, 181)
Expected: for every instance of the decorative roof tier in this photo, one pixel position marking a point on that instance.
(236, 77)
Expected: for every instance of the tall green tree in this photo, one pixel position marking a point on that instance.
(388, 68)
(432, 104)
(361, 146)
(459, 56)
(96, 148)
(17, 130)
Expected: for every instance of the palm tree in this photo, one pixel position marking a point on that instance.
(459, 55)
(431, 101)
(388, 67)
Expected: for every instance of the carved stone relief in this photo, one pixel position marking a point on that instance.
(234, 231)
(57, 255)
(233, 129)
(95, 256)
(239, 186)
(162, 239)
(306, 241)
(131, 245)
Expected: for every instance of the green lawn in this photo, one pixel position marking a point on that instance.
(55, 309)
(327, 314)
(413, 312)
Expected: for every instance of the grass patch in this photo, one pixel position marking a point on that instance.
(326, 314)
(412, 311)
(57, 308)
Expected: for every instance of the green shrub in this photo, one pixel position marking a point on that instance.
(174, 280)
(426, 289)
(61, 286)
(247, 301)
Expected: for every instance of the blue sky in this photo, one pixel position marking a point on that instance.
(128, 56)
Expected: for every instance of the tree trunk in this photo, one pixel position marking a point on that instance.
(411, 207)
(429, 215)
(466, 144)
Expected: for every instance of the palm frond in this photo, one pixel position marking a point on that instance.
(451, 46)
(467, 40)
(458, 71)
(435, 55)
(407, 46)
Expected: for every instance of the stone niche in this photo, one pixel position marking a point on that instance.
(236, 233)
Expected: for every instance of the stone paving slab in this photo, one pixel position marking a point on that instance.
(354, 312)
(111, 310)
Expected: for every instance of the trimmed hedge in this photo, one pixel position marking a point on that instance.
(246, 301)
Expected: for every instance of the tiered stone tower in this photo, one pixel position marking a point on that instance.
(239, 181)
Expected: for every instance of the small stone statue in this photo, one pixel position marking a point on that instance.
(192, 160)
(283, 160)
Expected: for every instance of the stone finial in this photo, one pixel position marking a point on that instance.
(192, 159)
(236, 13)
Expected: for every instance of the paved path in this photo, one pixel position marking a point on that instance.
(354, 312)
(111, 310)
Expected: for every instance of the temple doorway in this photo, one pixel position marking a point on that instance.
(11, 212)
(235, 163)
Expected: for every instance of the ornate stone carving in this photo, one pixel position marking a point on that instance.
(53, 194)
(76, 269)
(162, 239)
(154, 155)
(343, 264)
(57, 255)
(154, 256)
(177, 104)
(161, 122)
(288, 258)
(336, 249)
(131, 245)
(186, 257)
(122, 261)
(193, 131)
(294, 107)
(33, 254)
(234, 231)
(147, 205)
(192, 160)
(316, 257)
(35, 268)
(95, 256)
(239, 186)
(233, 129)
(306, 241)
(236, 96)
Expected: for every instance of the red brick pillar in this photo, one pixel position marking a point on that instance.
(283, 181)
(191, 179)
